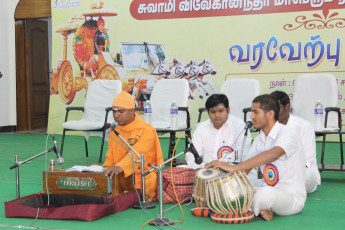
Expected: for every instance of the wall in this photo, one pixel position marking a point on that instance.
(7, 64)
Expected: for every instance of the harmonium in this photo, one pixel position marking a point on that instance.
(86, 183)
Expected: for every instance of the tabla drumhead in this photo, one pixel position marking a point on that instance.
(207, 173)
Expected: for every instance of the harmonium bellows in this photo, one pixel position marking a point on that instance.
(86, 183)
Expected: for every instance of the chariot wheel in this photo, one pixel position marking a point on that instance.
(66, 83)
(108, 72)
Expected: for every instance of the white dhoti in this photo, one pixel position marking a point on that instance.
(280, 202)
(312, 180)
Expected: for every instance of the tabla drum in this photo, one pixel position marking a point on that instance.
(199, 185)
(229, 194)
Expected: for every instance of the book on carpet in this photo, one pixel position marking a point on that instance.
(80, 168)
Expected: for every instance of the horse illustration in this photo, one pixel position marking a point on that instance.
(176, 70)
(191, 72)
(206, 68)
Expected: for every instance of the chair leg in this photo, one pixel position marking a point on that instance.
(102, 145)
(188, 134)
(323, 151)
(171, 144)
(62, 141)
(341, 151)
(86, 149)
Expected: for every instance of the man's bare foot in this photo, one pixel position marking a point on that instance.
(267, 214)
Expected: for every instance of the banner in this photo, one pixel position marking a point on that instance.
(162, 9)
(141, 42)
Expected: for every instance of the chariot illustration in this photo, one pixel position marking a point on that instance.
(139, 65)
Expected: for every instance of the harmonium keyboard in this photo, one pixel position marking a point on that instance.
(86, 183)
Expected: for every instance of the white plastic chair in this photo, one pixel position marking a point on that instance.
(98, 101)
(163, 94)
(240, 93)
(309, 88)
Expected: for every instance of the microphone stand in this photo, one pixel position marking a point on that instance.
(160, 220)
(243, 143)
(19, 163)
(142, 204)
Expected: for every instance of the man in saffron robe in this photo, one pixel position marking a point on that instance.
(143, 139)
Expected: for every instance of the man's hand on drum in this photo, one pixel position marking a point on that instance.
(110, 171)
(221, 165)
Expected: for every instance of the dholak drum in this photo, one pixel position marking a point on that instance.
(199, 185)
(229, 194)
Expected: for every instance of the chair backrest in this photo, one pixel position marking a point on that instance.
(309, 88)
(100, 95)
(240, 93)
(162, 96)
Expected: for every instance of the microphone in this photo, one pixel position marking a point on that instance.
(112, 128)
(249, 124)
(60, 160)
(197, 158)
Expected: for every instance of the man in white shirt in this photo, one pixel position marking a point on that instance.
(279, 152)
(221, 136)
(305, 132)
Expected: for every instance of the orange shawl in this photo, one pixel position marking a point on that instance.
(144, 140)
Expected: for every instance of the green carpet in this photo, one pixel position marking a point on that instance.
(324, 209)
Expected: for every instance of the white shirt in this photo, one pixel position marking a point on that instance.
(218, 144)
(305, 132)
(288, 171)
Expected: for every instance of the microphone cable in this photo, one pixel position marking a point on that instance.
(172, 179)
(173, 185)
(233, 144)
